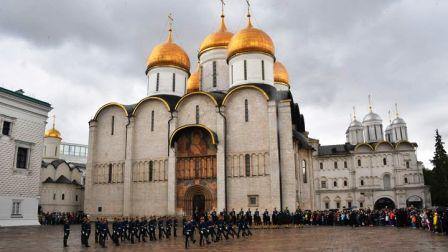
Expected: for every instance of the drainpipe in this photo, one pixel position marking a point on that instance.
(279, 163)
(126, 138)
(225, 155)
(169, 121)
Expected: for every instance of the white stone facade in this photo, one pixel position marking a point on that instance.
(19, 176)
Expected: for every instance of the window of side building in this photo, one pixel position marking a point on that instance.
(323, 184)
(252, 200)
(6, 128)
(22, 157)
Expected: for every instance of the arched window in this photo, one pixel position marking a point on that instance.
(362, 182)
(359, 162)
(384, 161)
(150, 171)
(345, 164)
(386, 181)
(63, 197)
(54, 196)
(197, 114)
(202, 74)
(174, 82)
(345, 183)
(112, 125)
(152, 120)
(246, 110)
(157, 81)
(245, 69)
(76, 198)
(335, 183)
(214, 74)
(406, 180)
(110, 174)
(262, 69)
(304, 172)
(407, 164)
(335, 164)
(247, 161)
(321, 165)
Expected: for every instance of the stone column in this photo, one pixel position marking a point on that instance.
(220, 162)
(274, 155)
(287, 155)
(127, 174)
(172, 171)
(89, 200)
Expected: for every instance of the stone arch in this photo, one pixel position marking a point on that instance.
(365, 146)
(111, 104)
(414, 201)
(386, 144)
(384, 202)
(179, 103)
(229, 94)
(192, 197)
(151, 98)
(386, 181)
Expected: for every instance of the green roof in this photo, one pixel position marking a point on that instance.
(19, 94)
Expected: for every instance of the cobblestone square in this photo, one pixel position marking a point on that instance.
(49, 238)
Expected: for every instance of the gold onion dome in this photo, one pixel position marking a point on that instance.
(193, 83)
(53, 132)
(280, 74)
(168, 54)
(219, 39)
(250, 39)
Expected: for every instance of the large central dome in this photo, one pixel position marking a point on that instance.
(219, 39)
(168, 54)
(250, 39)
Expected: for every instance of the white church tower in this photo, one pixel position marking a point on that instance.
(52, 143)
(398, 129)
(373, 126)
(354, 134)
(168, 68)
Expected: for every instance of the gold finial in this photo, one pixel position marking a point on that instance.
(170, 30)
(54, 121)
(222, 26)
(370, 103)
(222, 8)
(354, 113)
(249, 23)
(390, 120)
(396, 110)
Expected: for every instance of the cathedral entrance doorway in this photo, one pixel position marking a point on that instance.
(195, 148)
(382, 203)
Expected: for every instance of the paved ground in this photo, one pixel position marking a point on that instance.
(49, 238)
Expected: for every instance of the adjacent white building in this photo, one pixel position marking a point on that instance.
(22, 125)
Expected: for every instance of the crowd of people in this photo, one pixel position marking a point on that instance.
(58, 218)
(213, 226)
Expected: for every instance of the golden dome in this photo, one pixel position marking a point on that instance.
(280, 74)
(168, 54)
(250, 39)
(194, 82)
(219, 39)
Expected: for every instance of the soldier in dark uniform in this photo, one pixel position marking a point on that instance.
(97, 229)
(116, 232)
(152, 229)
(175, 226)
(203, 229)
(104, 232)
(240, 225)
(85, 232)
(249, 216)
(266, 218)
(188, 232)
(168, 225)
(66, 232)
(246, 228)
(230, 230)
(257, 219)
(160, 227)
(233, 216)
(275, 217)
(211, 230)
(221, 229)
(142, 229)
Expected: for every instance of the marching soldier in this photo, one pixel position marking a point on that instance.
(97, 229)
(203, 232)
(85, 232)
(161, 228)
(66, 232)
(175, 227)
(266, 218)
(152, 229)
(188, 232)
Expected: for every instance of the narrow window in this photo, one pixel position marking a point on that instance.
(54, 196)
(197, 114)
(345, 182)
(359, 162)
(174, 82)
(157, 81)
(246, 110)
(335, 184)
(368, 133)
(407, 164)
(63, 197)
(335, 165)
(150, 170)
(76, 197)
(110, 173)
(56, 151)
(323, 184)
(15, 208)
(22, 158)
(202, 74)
(338, 205)
(100, 209)
(349, 204)
(247, 159)
(185, 84)
(405, 180)
(304, 172)
(262, 69)
(245, 69)
(362, 182)
(214, 74)
(112, 125)
(327, 205)
(6, 130)
(376, 135)
(152, 120)
(321, 165)
(384, 161)
(345, 164)
(231, 74)
(361, 204)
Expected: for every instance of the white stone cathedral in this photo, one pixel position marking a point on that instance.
(229, 135)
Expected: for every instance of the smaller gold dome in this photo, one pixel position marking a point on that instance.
(168, 54)
(219, 39)
(281, 75)
(194, 82)
(250, 39)
(54, 133)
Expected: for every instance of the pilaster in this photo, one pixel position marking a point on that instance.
(220, 162)
(274, 163)
(127, 179)
(172, 170)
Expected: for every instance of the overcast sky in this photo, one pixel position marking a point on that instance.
(79, 55)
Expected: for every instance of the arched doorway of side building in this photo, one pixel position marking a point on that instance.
(414, 201)
(384, 202)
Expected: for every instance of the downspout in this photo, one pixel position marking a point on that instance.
(279, 163)
(225, 156)
(169, 121)
(126, 139)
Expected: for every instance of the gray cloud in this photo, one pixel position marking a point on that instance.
(79, 55)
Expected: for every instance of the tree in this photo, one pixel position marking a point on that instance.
(439, 175)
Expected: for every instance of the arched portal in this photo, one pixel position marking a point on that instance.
(195, 149)
(414, 201)
(383, 203)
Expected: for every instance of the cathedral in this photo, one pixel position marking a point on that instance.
(226, 135)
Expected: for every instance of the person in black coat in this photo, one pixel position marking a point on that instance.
(66, 232)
